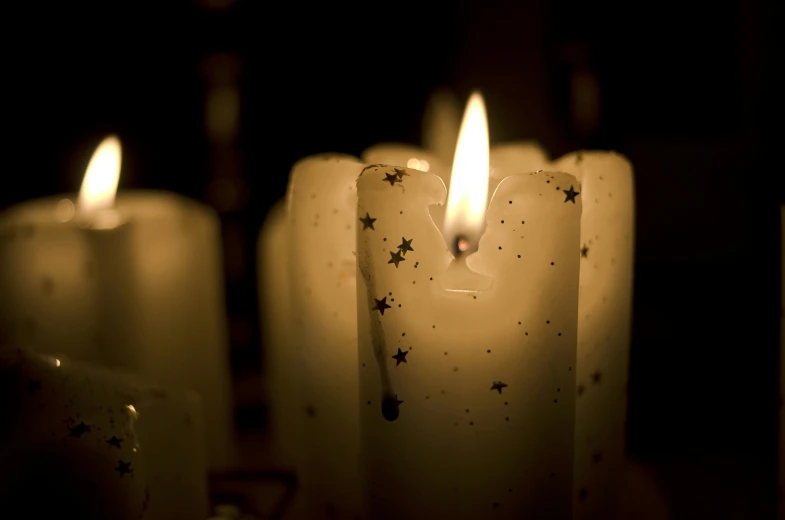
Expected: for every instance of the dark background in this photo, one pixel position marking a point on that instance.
(691, 94)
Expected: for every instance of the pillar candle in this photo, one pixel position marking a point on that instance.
(95, 444)
(466, 361)
(280, 357)
(440, 125)
(515, 157)
(321, 264)
(781, 483)
(139, 288)
(604, 321)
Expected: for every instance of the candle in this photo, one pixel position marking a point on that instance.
(321, 265)
(440, 125)
(133, 282)
(604, 320)
(781, 486)
(97, 444)
(467, 363)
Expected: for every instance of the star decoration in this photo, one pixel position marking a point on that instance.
(392, 178)
(406, 245)
(396, 258)
(34, 386)
(596, 377)
(498, 385)
(368, 222)
(400, 357)
(114, 441)
(570, 195)
(585, 251)
(400, 172)
(79, 429)
(581, 389)
(381, 305)
(123, 468)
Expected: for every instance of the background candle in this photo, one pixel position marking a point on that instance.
(513, 158)
(781, 483)
(441, 123)
(142, 291)
(480, 385)
(604, 320)
(96, 444)
(321, 262)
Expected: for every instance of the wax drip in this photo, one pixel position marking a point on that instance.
(390, 408)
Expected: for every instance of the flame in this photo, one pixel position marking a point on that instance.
(467, 199)
(418, 164)
(99, 186)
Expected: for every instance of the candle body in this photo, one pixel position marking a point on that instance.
(146, 296)
(604, 321)
(321, 263)
(514, 158)
(97, 444)
(280, 357)
(482, 383)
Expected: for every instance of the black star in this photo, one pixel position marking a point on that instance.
(400, 172)
(310, 410)
(406, 245)
(123, 468)
(498, 385)
(570, 195)
(396, 258)
(597, 457)
(114, 441)
(79, 429)
(585, 251)
(34, 386)
(400, 357)
(381, 305)
(596, 377)
(391, 178)
(581, 389)
(368, 222)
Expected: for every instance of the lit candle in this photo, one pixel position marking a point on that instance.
(604, 321)
(466, 363)
(97, 444)
(321, 268)
(133, 282)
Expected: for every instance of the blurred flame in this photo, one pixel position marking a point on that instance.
(418, 164)
(467, 199)
(99, 186)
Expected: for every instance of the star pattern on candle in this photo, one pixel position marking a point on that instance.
(400, 172)
(381, 305)
(570, 194)
(396, 258)
(115, 441)
(78, 430)
(392, 178)
(400, 357)
(123, 468)
(406, 245)
(368, 221)
(585, 251)
(498, 385)
(596, 377)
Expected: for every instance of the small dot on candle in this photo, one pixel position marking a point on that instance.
(519, 256)
(502, 222)
(505, 403)
(403, 334)
(510, 202)
(551, 263)
(467, 410)
(500, 248)
(489, 351)
(471, 423)
(547, 321)
(559, 333)
(506, 418)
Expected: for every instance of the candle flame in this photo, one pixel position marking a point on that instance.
(467, 199)
(99, 186)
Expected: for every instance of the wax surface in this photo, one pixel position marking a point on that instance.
(85, 443)
(147, 296)
(321, 263)
(604, 321)
(467, 399)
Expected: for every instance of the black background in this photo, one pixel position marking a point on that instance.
(691, 94)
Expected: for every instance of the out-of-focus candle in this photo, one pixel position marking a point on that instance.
(467, 366)
(441, 123)
(321, 263)
(781, 486)
(82, 441)
(514, 158)
(133, 282)
(604, 321)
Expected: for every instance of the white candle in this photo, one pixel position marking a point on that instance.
(133, 283)
(440, 125)
(97, 444)
(604, 321)
(467, 370)
(321, 264)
